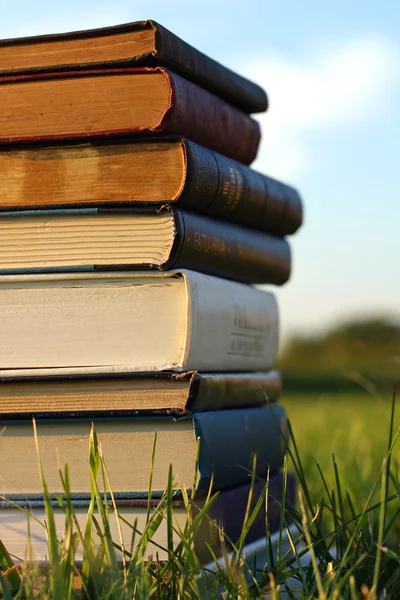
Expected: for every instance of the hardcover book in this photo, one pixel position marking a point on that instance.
(146, 172)
(143, 43)
(135, 321)
(226, 513)
(72, 394)
(122, 102)
(220, 444)
(93, 240)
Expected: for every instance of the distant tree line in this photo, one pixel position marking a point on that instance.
(361, 352)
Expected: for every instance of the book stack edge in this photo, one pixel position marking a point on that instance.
(132, 231)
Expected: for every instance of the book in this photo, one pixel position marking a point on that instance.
(143, 43)
(108, 240)
(135, 321)
(122, 102)
(225, 442)
(120, 394)
(227, 513)
(146, 172)
(229, 509)
(257, 554)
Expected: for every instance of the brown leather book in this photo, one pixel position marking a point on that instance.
(122, 102)
(143, 43)
(84, 394)
(146, 172)
(40, 241)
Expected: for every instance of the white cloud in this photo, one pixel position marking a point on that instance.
(344, 87)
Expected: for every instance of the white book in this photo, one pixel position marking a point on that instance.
(134, 321)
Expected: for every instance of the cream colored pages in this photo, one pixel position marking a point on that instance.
(134, 322)
(234, 327)
(14, 529)
(101, 320)
(40, 240)
(126, 445)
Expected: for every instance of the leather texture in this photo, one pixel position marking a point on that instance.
(227, 250)
(224, 188)
(218, 391)
(170, 51)
(193, 113)
(211, 122)
(207, 391)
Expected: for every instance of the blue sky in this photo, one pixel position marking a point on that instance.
(333, 128)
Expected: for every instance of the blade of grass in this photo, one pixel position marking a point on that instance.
(153, 458)
(56, 571)
(389, 449)
(317, 575)
(7, 564)
(382, 514)
(283, 505)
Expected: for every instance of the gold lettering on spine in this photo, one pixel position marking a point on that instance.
(209, 244)
(232, 189)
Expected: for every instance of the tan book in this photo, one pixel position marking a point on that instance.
(135, 321)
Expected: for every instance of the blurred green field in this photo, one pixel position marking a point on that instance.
(355, 427)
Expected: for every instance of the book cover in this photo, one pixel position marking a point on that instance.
(115, 46)
(221, 444)
(135, 321)
(39, 242)
(227, 513)
(133, 173)
(142, 101)
(93, 394)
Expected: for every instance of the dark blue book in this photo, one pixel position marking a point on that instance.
(224, 442)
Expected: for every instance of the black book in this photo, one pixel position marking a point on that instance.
(98, 239)
(146, 173)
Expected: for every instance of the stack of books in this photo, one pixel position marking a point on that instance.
(131, 231)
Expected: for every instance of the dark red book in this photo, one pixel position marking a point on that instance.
(122, 102)
(143, 43)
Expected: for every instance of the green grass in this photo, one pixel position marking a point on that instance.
(347, 518)
(354, 427)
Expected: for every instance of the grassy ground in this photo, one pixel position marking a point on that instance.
(353, 428)
(348, 518)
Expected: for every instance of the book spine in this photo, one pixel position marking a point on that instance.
(228, 512)
(210, 121)
(226, 189)
(231, 326)
(230, 439)
(218, 391)
(227, 250)
(192, 112)
(208, 73)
